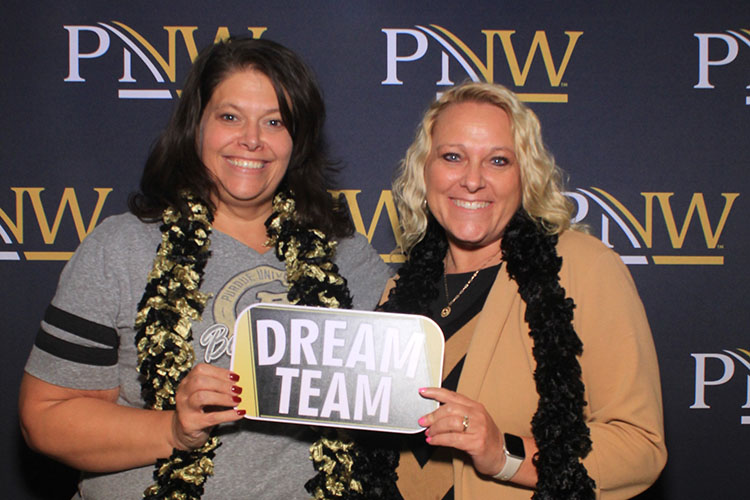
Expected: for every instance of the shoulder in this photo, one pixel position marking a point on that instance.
(354, 243)
(116, 240)
(364, 270)
(123, 233)
(355, 250)
(576, 244)
(578, 248)
(123, 227)
(586, 257)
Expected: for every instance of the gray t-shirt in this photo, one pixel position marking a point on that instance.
(87, 342)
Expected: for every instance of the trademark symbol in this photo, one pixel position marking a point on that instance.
(720, 247)
(564, 84)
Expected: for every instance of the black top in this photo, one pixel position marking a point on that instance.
(466, 307)
(463, 309)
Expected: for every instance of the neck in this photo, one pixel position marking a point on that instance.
(462, 260)
(246, 227)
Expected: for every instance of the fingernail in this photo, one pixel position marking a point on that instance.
(241, 412)
(428, 439)
(236, 389)
(421, 421)
(234, 377)
(236, 399)
(422, 389)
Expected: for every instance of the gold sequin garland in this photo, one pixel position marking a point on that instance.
(173, 300)
(312, 260)
(336, 483)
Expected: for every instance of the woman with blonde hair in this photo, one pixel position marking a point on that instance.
(551, 384)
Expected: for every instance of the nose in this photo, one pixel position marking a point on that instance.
(473, 177)
(250, 137)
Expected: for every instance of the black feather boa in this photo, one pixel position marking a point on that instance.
(532, 262)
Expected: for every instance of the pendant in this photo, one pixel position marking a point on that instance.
(445, 312)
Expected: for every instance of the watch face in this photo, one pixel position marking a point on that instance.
(514, 445)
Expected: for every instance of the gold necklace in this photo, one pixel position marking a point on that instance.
(445, 312)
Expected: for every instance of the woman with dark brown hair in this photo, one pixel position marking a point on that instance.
(128, 380)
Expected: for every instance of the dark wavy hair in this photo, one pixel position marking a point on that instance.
(174, 165)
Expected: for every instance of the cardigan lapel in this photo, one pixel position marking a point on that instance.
(484, 341)
(482, 348)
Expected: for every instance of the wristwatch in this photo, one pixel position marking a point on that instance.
(514, 456)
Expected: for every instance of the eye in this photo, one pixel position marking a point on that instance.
(228, 117)
(452, 157)
(276, 122)
(499, 161)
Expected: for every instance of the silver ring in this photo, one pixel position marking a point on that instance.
(465, 422)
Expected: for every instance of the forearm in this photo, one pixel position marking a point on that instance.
(94, 434)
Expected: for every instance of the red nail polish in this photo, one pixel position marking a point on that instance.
(428, 439)
(241, 412)
(236, 389)
(234, 377)
(236, 399)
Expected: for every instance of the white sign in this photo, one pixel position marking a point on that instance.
(336, 367)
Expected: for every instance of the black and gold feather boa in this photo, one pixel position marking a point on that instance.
(558, 425)
(173, 300)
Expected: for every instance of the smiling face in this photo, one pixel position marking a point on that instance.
(244, 143)
(472, 176)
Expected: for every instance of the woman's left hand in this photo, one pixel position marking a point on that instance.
(464, 424)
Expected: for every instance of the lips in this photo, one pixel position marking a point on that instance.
(471, 205)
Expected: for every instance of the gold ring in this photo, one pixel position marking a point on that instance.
(466, 422)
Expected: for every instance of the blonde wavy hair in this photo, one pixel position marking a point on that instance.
(541, 179)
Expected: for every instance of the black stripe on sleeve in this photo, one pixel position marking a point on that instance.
(89, 355)
(96, 356)
(81, 327)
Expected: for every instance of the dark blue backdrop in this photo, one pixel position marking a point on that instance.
(645, 105)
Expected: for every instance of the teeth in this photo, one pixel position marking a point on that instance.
(246, 163)
(471, 205)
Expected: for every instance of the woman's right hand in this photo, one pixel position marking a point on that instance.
(204, 399)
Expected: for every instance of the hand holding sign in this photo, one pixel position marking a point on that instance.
(336, 367)
(206, 386)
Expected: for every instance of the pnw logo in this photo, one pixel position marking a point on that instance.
(136, 51)
(46, 249)
(673, 230)
(408, 45)
(663, 232)
(714, 369)
(720, 49)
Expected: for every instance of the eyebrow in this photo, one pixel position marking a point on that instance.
(504, 148)
(232, 105)
(493, 149)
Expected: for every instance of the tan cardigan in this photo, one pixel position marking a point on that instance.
(619, 365)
